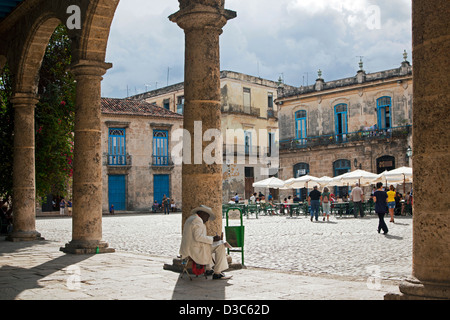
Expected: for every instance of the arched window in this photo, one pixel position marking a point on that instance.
(384, 111)
(301, 126)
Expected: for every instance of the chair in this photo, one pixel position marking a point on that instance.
(252, 208)
(187, 264)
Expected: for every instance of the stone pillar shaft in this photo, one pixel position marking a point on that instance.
(202, 182)
(431, 150)
(24, 177)
(87, 173)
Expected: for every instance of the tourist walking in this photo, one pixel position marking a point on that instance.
(379, 197)
(391, 201)
(314, 201)
(326, 204)
(357, 198)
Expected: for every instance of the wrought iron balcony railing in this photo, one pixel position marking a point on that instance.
(162, 161)
(362, 135)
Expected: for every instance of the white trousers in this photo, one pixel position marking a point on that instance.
(220, 259)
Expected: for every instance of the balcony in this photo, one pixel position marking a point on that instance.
(356, 136)
(236, 108)
(119, 160)
(118, 164)
(272, 113)
(162, 163)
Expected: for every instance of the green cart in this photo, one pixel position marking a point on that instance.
(235, 234)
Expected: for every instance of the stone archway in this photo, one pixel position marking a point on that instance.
(25, 67)
(202, 20)
(24, 48)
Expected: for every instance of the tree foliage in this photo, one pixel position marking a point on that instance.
(54, 121)
(6, 135)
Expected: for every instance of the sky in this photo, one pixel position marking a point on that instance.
(288, 38)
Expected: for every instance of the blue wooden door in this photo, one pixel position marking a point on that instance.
(116, 192)
(384, 113)
(161, 147)
(160, 187)
(117, 147)
(300, 126)
(340, 112)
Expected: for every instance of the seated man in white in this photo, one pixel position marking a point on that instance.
(196, 244)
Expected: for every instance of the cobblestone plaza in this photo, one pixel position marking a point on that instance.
(346, 247)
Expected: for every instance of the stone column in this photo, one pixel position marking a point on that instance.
(87, 173)
(24, 177)
(431, 153)
(202, 22)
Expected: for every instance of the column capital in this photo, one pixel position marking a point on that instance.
(89, 68)
(198, 16)
(24, 98)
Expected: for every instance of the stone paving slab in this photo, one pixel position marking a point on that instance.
(346, 247)
(46, 273)
(286, 259)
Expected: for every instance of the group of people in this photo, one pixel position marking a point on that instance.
(62, 206)
(200, 247)
(167, 205)
(384, 202)
(254, 198)
(316, 198)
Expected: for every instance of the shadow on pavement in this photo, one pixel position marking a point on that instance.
(200, 289)
(14, 280)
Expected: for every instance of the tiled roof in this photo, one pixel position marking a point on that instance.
(136, 108)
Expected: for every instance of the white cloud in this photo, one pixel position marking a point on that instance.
(268, 38)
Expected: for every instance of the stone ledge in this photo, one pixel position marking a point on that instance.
(176, 266)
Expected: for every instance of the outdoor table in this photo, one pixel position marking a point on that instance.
(290, 206)
(341, 207)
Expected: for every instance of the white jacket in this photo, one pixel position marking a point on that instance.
(195, 243)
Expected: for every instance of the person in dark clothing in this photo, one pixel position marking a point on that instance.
(379, 197)
(314, 199)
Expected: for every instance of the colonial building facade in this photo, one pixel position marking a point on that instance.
(249, 127)
(137, 164)
(361, 122)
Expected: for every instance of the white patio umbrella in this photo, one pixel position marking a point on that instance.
(305, 181)
(362, 177)
(324, 181)
(337, 181)
(286, 182)
(272, 182)
(400, 175)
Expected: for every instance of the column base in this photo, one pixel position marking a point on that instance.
(86, 247)
(413, 289)
(24, 236)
